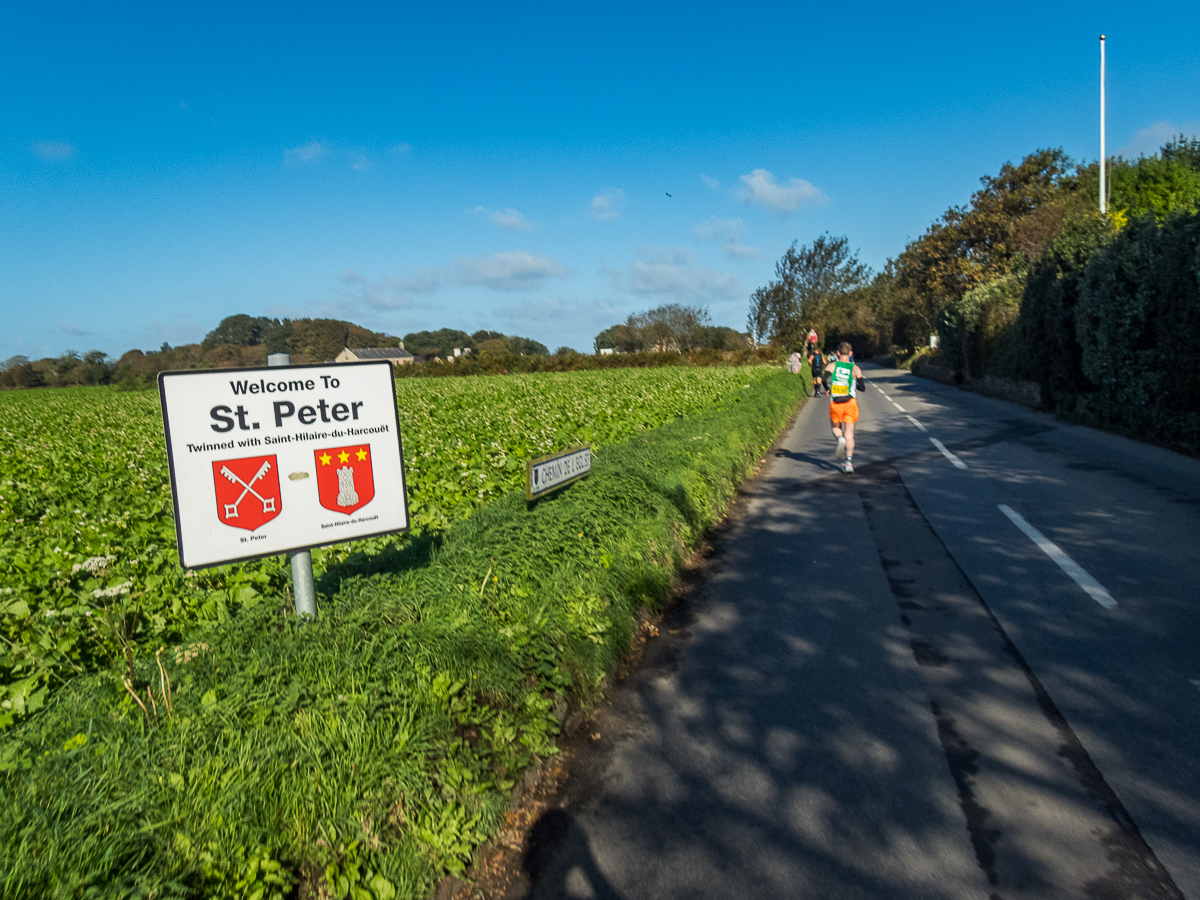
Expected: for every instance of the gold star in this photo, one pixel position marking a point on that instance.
(324, 457)
(344, 456)
(361, 454)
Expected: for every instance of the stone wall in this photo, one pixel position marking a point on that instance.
(1027, 393)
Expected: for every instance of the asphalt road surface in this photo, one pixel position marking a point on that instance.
(966, 671)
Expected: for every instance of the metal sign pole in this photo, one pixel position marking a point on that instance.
(1103, 157)
(304, 593)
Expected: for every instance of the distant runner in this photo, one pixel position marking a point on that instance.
(843, 380)
(816, 364)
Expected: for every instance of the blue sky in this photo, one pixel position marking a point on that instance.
(507, 166)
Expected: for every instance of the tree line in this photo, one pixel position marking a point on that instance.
(243, 340)
(672, 328)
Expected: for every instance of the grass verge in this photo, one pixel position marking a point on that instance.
(366, 753)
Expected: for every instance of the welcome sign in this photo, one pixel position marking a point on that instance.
(267, 461)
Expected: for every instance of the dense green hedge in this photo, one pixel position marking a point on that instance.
(1138, 326)
(366, 752)
(1109, 320)
(1044, 346)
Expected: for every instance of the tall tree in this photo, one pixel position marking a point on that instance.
(674, 327)
(809, 280)
(972, 245)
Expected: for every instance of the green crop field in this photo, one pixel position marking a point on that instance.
(87, 541)
(193, 738)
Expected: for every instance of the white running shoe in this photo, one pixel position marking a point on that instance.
(849, 467)
(840, 452)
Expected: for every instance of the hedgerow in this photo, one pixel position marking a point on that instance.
(1138, 327)
(366, 752)
(510, 363)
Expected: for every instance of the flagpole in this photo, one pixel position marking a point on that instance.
(1103, 157)
(303, 591)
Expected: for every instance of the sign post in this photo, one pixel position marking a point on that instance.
(549, 473)
(280, 460)
(304, 592)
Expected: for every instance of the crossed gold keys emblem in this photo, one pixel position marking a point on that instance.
(268, 503)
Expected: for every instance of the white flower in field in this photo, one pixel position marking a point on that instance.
(93, 564)
(114, 591)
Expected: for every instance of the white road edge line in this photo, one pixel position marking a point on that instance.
(1091, 586)
(958, 463)
(898, 406)
(915, 422)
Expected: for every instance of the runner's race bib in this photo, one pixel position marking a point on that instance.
(841, 382)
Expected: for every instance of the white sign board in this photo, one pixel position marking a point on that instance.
(265, 461)
(557, 470)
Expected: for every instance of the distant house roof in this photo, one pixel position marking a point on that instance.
(378, 353)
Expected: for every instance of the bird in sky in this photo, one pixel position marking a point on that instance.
(668, 193)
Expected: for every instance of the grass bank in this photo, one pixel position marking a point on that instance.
(364, 754)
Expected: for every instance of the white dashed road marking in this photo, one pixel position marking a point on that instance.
(1195, 681)
(915, 422)
(898, 406)
(1091, 586)
(958, 463)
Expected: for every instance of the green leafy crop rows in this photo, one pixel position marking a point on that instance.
(87, 543)
(367, 752)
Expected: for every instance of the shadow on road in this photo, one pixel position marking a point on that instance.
(557, 850)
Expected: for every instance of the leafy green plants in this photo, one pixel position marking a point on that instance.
(88, 566)
(368, 751)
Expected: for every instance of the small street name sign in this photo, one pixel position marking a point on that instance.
(267, 461)
(549, 473)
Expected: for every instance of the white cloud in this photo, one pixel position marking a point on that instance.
(711, 183)
(728, 232)
(734, 250)
(606, 207)
(76, 330)
(53, 151)
(310, 152)
(388, 292)
(507, 219)
(675, 276)
(360, 162)
(516, 270)
(760, 188)
(1150, 140)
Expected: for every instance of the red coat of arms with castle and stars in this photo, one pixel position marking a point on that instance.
(247, 491)
(344, 478)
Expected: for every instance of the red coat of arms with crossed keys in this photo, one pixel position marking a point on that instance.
(345, 481)
(247, 491)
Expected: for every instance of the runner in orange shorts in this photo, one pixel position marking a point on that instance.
(843, 380)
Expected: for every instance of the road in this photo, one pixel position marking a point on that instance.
(966, 671)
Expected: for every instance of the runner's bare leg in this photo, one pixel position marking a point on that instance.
(848, 428)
